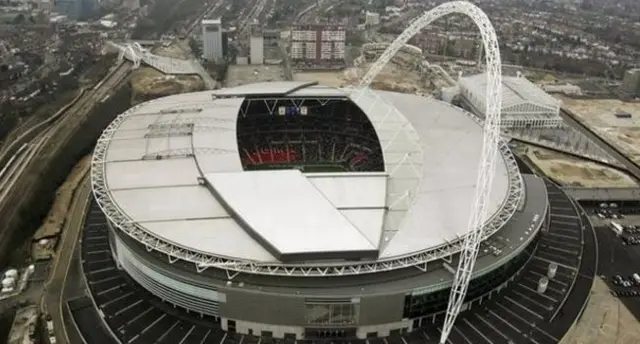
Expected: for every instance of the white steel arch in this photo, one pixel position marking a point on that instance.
(490, 142)
(131, 52)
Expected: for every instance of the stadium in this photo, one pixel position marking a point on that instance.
(295, 210)
(291, 212)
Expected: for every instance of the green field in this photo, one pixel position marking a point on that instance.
(311, 168)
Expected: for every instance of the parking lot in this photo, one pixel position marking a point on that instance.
(616, 258)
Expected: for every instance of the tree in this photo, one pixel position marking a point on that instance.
(195, 47)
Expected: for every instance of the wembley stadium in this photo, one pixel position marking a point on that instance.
(299, 211)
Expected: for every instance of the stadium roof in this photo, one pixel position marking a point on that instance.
(515, 91)
(290, 216)
(172, 174)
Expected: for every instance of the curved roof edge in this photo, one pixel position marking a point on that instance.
(273, 88)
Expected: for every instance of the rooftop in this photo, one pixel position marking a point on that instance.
(515, 91)
(300, 222)
(157, 159)
(217, 21)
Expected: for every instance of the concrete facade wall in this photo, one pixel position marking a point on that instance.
(263, 308)
(256, 50)
(381, 309)
(212, 42)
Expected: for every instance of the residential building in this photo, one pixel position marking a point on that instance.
(631, 83)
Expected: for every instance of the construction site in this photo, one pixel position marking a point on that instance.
(149, 83)
(615, 121)
(406, 73)
(571, 171)
(245, 74)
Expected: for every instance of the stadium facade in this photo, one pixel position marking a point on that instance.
(295, 210)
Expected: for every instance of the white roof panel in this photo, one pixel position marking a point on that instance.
(288, 213)
(225, 237)
(451, 142)
(136, 149)
(368, 221)
(158, 204)
(151, 173)
(352, 190)
(515, 90)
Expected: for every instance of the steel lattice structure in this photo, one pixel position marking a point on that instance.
(135, 53)
(490, 144)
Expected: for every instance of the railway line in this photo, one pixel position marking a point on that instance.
(41, 138)
(196, 23)
(245, 23)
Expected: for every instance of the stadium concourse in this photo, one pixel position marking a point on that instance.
(297, 216)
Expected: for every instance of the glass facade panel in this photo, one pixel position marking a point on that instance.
(332, 313)
(421, 305)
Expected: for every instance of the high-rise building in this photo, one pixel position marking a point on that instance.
(631, 83)
(88, 8)
(212, 45)
(318, 45)
(69, 8)
(131, 4)
(372, 18)
(76, 9)
(256, 45)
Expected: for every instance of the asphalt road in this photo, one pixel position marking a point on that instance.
(54, 297)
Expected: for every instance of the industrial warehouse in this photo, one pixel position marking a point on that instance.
(295, 212)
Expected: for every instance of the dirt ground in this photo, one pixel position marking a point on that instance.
(571, 171)
(55, 218)
(174, 51)
(599, 115)
(332, 78)
(245, 74)
(45, 238)
(392, 78)
(149, 83)
(605, 320)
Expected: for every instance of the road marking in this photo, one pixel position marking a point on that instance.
(123, 327)
(564, 216)
(530, 299)
(110, 289)
(504, 321)
(523, 307)
(128, 307)
(169, 330)
(478, 331)
(205, 337)
(150, 326)
(536, 292)
(559, 264)
(569, 237)
(457, 330)
(559, 249)
(188, 333)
